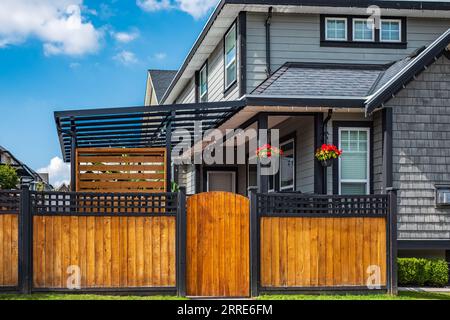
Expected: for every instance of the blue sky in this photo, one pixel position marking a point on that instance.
(74, 54)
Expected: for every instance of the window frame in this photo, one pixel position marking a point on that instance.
(400, 32)
(368, 180)
(354, 20)
(281, 188)
(326, 28)
(201, 97)
(226, 66)
(441, 187)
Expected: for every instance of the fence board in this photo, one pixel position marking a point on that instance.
(105, 249)
(336, 258)
(9, 258)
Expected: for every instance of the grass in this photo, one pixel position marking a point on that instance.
(82, 297)
(402, 296)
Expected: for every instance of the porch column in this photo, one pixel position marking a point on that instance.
(319, 170)
(263, 180)
(387, 149)
(73, 152)
(169, 153)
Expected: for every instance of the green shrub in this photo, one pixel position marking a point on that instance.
(8, 177)
(420, 272)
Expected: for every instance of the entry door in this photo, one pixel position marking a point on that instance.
(221, 181)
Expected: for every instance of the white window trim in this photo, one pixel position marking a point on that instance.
(234, 59)
(354, 30)
(326, 29)
(200, 89)
(367, 181)
(399, 30)
(233, 174)
(293, 172)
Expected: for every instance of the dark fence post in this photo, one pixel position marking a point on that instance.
(181, 242)
(392, 228)
(25, 241)
(254, 243)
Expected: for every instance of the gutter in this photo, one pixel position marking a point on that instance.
(268, 43)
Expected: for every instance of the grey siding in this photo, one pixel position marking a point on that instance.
(421, 131)
(188, 93)
(303, 127)
(296, 38)
(378, 153)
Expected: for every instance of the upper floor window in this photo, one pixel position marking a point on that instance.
(230, 57)
(354, 164)
(336, 29)
(390, 30)
(203, 83)
(363, 30)
(287, 166)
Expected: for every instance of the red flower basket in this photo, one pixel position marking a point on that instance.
(267, 151)
(327, 153)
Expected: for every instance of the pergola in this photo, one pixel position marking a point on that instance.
(137, 127)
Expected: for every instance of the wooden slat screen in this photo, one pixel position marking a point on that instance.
(121, 170)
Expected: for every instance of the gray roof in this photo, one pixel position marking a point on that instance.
(161, 80)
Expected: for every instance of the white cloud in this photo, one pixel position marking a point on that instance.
(59, 172)
(160, 56)
(74, 65)
(125, 37)
(196, 8)
(126, 57)
(59, 24)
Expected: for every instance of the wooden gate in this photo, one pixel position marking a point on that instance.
(218, 245)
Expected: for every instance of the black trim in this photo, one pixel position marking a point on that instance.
(290, 136)
(242, 31)
(197, 84)
(181, 243)
(350, 43)
(319, 170)
(25, 246)
(387, 127)
(355, 124)
(423, 244)
(232, 85)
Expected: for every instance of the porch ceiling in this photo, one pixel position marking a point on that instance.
(136, 127)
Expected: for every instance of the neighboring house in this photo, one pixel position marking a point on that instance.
(26, 174)
(319, 72)
(157, 83)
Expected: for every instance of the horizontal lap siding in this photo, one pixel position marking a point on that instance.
(421, 117)
(9, 257)
(313, 252)
(111, 252)
(296, 37)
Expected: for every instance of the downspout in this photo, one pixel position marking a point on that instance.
(325, 140)
(268, 44)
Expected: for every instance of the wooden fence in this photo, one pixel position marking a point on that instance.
(310, 242)
(9, 239)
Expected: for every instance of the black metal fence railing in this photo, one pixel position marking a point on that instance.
(282, 204)
(9, 202)
(114, 204)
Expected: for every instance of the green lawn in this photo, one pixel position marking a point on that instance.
(401, 296)
(82, 297)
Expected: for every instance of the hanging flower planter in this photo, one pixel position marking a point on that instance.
(267, 151)
(327, 154)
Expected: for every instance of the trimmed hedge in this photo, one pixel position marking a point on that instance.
(422, 272)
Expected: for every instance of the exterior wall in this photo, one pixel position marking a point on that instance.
(303, 127)
(296, 38)
(378, 153)
(421, 151)
(188, 93)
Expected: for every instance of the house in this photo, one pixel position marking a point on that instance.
(26, 175)
(157, 83)
(379, 93)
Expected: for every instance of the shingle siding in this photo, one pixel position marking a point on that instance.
(421, 152)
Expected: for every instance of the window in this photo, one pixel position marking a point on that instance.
(354, 163)
(390, 30)
(363, 30)
(203, 83)
(287, 166)
(230, 57)
(336, 29)
(442, 196)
